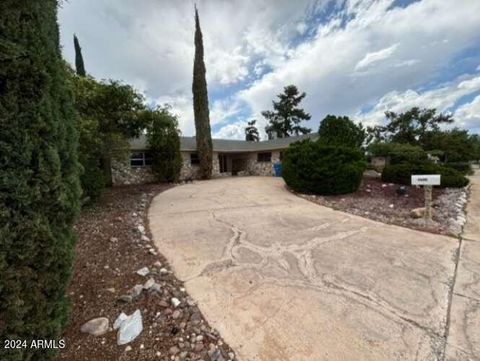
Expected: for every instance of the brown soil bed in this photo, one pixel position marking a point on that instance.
(380, 201)
(109, 252)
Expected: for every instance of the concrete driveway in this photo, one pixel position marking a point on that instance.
(463, 341)
(282, 278)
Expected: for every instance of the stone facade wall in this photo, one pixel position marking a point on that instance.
(188, 170)
(191, 171)
(216, 165)
(262, 168)
(123, 174)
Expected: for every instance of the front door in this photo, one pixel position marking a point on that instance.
(222, 159)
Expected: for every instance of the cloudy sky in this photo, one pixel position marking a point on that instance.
(352, 57)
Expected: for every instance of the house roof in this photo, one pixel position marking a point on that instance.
(229, 145)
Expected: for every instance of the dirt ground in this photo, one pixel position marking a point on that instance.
(380, 201)
(109, 252)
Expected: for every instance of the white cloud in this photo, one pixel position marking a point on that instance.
(472, 84)
(223, 110)
(154, 40)
(151, 44)
(231, 71)
(368, 50)
(220, 111)
(409, 62)
(468, 115)
(372, 58)
(324, 67)
(182, 107)
(232, 131)
(442, 98)
(302, 27)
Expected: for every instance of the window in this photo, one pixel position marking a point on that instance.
(148, 158)
(264, 157)
(140, 159)
(281, 156)
(194, 159)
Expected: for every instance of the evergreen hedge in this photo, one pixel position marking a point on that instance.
(312, 167)
(401, 173)
(39, 186)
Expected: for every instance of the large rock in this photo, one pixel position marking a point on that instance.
(118, 322)
(136, 291)
(156, 288)
(418, 212)
(96, 327)
(129, 328)
(143, 271)
(147, 285)
(141, 228)
(175, 302)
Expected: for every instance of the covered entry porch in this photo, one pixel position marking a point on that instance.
(233, 163)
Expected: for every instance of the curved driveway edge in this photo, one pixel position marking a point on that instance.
(282, 278)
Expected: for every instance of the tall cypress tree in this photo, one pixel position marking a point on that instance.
(79, 65)
(200, 105)
(39, 187)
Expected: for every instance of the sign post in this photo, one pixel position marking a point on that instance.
(428, 202)
(427, 181)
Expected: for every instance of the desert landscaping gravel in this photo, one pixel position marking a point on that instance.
(385, 202)
(122, 281)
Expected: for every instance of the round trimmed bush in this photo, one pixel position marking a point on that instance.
(312, 167)
(463, 167)
(401, 173)
(399, 152)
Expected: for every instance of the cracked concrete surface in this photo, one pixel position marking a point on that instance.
(463, 340)
(285, 279)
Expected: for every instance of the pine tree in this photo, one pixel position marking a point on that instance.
(286, 117)
(39, 186)
(79, 65)
(251, 132)
(200, 106)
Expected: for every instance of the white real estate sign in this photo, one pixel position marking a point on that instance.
(426, 180)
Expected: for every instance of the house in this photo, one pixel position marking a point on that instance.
(230, 157)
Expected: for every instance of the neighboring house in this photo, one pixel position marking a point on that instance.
(230, 157)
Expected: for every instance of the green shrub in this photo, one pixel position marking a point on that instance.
(108, 113)
(90, 146)
(39, 186)
(341, 131)
(401, 173)
(313, 167)
(463, 167)
(164, 144)
(92, 178)
(398, 152)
